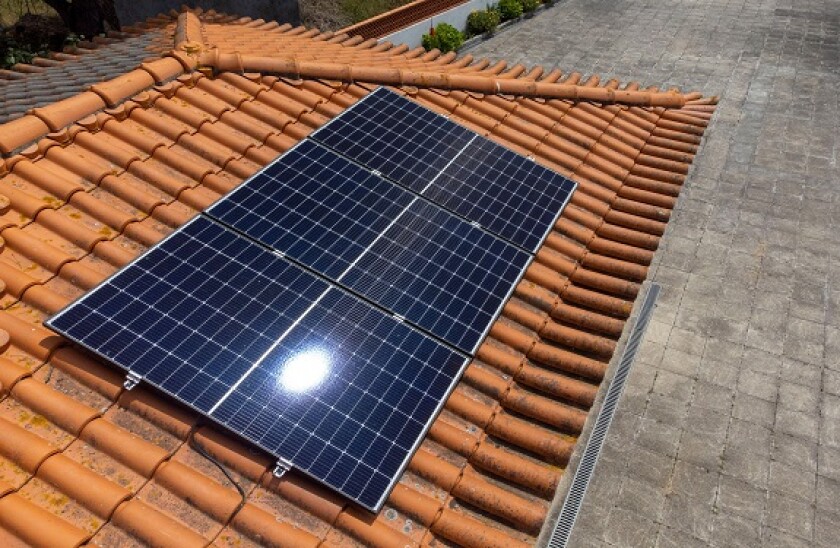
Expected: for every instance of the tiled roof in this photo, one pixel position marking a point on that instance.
(94, 180)
(400, 18)
(65, 74)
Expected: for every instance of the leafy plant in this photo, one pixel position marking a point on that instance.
(510, 9)
(444, 37)
(481, 21)
(530, 5)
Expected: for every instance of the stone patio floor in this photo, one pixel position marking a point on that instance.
(728, 433)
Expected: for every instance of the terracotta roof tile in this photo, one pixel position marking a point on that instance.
(94, 181)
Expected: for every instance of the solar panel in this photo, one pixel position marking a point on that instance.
(379, 240)
(336, 387)
(504, 192)
(314, 206)
(397, 137)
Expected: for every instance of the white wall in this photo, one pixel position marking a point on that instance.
(457, 17)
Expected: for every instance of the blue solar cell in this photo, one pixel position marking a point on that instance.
(378, 239)
(504, 192)
(342, 397)
(440, 273)
(167, 324)
(299, 367)
(397, 137)
(314, 206)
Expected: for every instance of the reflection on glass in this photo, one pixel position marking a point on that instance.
(305, 370)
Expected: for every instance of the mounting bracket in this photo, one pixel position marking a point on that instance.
(281, 467)
(131, 380)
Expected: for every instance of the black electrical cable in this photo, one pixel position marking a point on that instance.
(201, 451)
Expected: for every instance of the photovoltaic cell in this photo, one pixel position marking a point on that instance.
(399, 138)
(504, 192)
(440, 273)
(314, 206)
(357, 429)
(379, 240)
(310, 373)
(194, 313)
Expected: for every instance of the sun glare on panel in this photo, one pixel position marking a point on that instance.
(305, 370)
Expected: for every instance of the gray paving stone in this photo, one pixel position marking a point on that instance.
(670, 537)
(651, 467)
(680, 362)
(827, 528)
(731, 530)
(776, 538)
(758, 385)
(799, 398)
(741, 498)
(712, 396)
(718, 373)
(760, 361)
(794, 451)
(831, 406)
(641, 498)
(628, 529)
(683, 513)
(667, 410)
(796, 481)
(752, 409)
(831, 382)
(687, 342)
(795, 423)
(829, 463)
(801, 373)
(658, 437)
(830, 432)
(740, 463)
(791, 516)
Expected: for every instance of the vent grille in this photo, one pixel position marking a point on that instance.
(571, 506)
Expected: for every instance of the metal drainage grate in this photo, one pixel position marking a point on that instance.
(571, 506)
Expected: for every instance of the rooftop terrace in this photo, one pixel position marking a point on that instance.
(729, 431)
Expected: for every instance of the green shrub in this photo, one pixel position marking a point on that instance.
(481, 21)
(444, 37)
(430, 41)
(510, 9)
(530, 5)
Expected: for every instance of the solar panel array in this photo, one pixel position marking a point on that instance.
(284, 358)
(323, 312)
(379, 240)
(504, 192)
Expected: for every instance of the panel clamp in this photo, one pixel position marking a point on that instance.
(281, 467)
(376, 172)
(475, 224)
(399, 318)
(131, 380)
